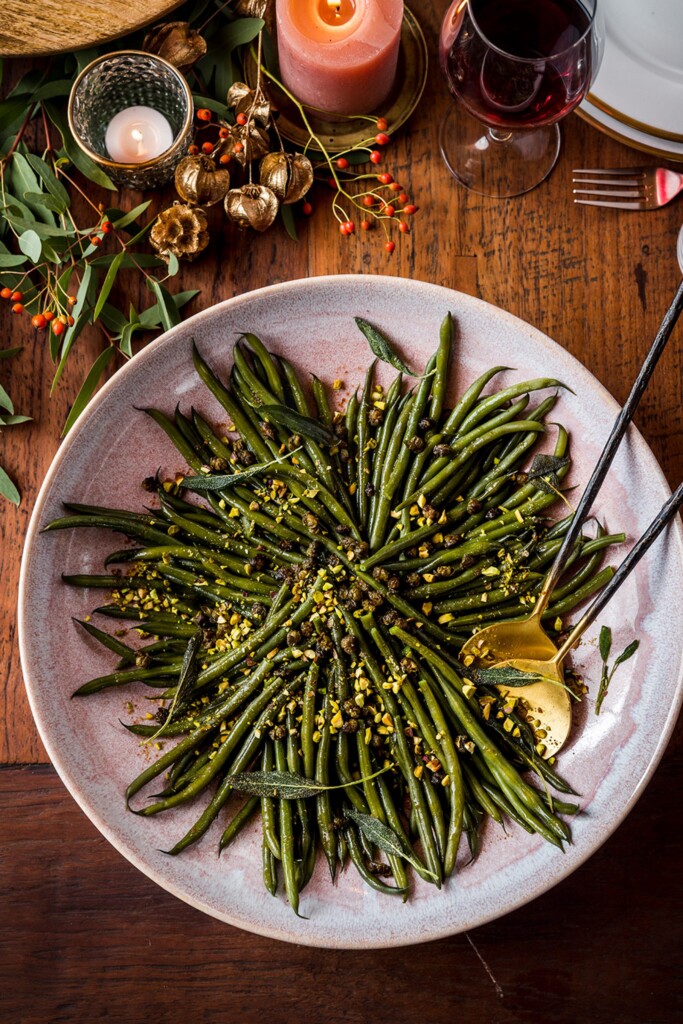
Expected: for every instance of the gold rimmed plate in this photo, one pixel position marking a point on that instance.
(339, 134)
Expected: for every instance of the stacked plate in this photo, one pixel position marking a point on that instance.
(637, 97)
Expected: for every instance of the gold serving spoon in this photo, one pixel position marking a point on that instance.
(524, 645)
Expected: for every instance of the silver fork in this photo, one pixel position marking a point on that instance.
(628, 188)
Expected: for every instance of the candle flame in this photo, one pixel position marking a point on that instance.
(335, 7)
(137, 134)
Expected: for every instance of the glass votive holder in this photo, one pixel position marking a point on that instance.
(113, 84)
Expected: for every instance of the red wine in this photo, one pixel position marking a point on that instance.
(518, 63)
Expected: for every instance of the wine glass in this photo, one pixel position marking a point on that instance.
(516, 68)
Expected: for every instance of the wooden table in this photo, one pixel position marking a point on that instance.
(87, 937)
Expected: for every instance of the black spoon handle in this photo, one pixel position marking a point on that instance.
(613, 441)
(663, 517)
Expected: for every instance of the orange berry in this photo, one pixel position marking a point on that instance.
(410, 208)
(385, 179)
(368, 200)
(242, 119)
(390, 246)
(203, 114)
(107, 227)
(342, 163)
(365, 225)
(225, 159)
(58, 328)
(382, 139)
(382, 124)
(95, 240)
(17, 308)
(403, 198)
(71, 299)
(223, 133)
(389, 210)
(39, 321)
(193, 150)
(6, 293)
(207, 147)
(238, 147)
(49, 315)
(395, 187)
(376, 156)
(16, 296)
(404, 227)
(70, 320)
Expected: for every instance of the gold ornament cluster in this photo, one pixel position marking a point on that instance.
(242, 151)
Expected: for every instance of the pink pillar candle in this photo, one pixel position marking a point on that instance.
(339, 55)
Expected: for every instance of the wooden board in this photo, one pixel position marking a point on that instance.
(53, 26)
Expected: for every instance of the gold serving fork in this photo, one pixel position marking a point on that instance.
(628, 188)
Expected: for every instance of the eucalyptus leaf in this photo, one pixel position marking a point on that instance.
(30, 245)
(50, 180)
(173, 264)
(287, 215)
(12, 113)
(7, 353)
(88, 387)
(9, 259)
(84, 300)
(26, 184)
(43, 199)
(297, 423)
(381, 347)
(169, 312)
(384, 837)
(8, 488)
(126, 219)
(14, 421)
(6, 401)
(107, 284)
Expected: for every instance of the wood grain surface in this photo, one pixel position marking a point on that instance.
(85, 937)
(28, 28)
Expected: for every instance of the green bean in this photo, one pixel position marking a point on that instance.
(268, 806)
(243, 816)
(287, 835)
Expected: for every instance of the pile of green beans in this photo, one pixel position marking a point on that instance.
(306, 586)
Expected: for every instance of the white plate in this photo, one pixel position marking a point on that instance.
(633, 137)
(111, 449)
(640, 81)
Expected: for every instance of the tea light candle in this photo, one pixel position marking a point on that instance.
(339, 55)
(138, 134)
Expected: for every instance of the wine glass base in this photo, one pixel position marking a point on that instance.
(497, 162)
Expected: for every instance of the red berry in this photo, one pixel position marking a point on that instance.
(49, 315)
(369, 200)
(203, 114)
(225, 159)
(332, 183)
(351, 226)
(347, 227)
(16, 296)
(223, 133)
(386, 179)
(404, 227)
(71, 299)
(107, 227)
(382, 124)
(307, 209)
(389, 210)
(342, 163)
(242, 119)
(58, 328)
(403, 198)
(207, 147)
(193, 150)
(365, 225)
(410, 208)
(376, 156)
(390, 246)
(17, 308)
(95, 240)
(39, 321)
(70, 320)
(395, 187)
(6, 293)
(238, 147)
(382, 139)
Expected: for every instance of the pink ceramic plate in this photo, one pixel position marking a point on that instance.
(112, 448)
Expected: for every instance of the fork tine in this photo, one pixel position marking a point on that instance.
(632, 193)
(616, 206)
(610, 170)
(607, 181)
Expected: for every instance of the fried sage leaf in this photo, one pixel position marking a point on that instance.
(381, 347)
(189, 670)
(298, 424)
(544, 470)
(287, 785)
(384, 837)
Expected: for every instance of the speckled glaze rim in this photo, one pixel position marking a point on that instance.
(445, 298)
